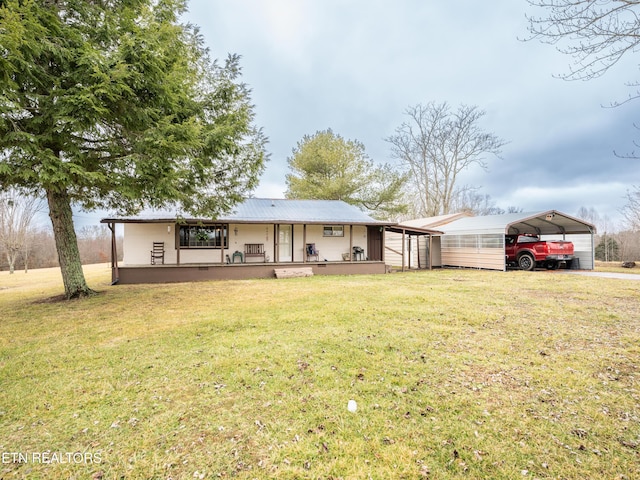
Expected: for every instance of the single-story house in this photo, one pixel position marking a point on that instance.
(259, 237)
(479, 242)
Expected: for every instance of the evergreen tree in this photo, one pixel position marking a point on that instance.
(325, 166)
(115, 104)
(607, 249)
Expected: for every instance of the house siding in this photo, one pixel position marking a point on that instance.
(473, 258)
(139, 238)
(485, 250)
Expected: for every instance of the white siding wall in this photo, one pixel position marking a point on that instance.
(250, 233)
(139, 238)
(330, 248)
(583, 248)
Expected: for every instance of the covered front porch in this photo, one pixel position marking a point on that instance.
(263, 237)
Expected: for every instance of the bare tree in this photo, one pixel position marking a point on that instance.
(94, 243)
(477, 204)
(591, 215)
(629, 245)
(17, 213)
(631, 211)
(598, 33)
(435, 145)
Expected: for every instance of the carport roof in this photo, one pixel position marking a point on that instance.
(549, 222)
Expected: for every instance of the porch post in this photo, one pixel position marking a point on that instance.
(384, 244)
(176, 231)
(404, 239)
(276, 243)
(115, 275)
(351, 243)
(224, 231)
(304, 243)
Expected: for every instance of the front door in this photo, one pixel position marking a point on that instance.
(284, 243)
(374, 243)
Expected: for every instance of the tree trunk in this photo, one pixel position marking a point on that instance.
(11, 259)
(75, 285)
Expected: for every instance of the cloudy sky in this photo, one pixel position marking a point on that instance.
(356, 65)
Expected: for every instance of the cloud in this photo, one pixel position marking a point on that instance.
(600, 196)
(354, 66)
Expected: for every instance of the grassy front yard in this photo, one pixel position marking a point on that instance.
(456, 374)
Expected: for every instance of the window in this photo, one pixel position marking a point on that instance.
(204, 236)
(491, 241)
(473, 241)
(333, 231)
(528, 239)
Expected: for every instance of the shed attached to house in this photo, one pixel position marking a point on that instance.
(415, 244)
(410, 247)
(479, 242)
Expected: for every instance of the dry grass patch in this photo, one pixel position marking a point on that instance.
(616, 267)
(457, 374)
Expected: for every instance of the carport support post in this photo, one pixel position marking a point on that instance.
(593, 250)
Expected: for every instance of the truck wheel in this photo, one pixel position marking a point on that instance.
(526, 262)
(552, 265)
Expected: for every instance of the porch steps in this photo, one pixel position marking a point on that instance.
(293, 272)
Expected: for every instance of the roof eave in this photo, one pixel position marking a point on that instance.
(245, 222)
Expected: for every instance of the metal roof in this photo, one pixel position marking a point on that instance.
(266, 210)
(409, 230)
(434, 222)
(549, 222)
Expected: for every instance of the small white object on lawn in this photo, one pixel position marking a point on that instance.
(352, 406)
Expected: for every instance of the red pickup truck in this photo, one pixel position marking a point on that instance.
(529, 252)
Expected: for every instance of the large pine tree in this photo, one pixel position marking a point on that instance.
(115, 104)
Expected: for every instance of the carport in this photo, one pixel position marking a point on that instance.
(478, 242)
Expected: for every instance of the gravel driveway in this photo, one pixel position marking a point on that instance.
(623, 276)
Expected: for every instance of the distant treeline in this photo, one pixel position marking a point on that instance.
(94, 243)
(620, 246)
(95, 247)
